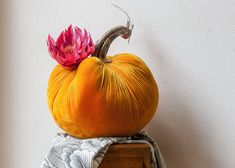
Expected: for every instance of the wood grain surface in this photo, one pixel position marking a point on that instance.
(127, 156)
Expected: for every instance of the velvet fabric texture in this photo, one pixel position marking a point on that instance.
(98, 98)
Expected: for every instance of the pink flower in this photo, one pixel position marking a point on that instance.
(71, 47)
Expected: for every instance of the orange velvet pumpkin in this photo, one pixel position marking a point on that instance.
(104, 95)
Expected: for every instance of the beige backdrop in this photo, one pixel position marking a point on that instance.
(188, 45)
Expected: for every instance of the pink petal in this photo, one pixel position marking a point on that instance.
(60, 39)
(71, 47)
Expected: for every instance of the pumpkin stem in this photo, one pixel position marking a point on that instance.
(102, 46)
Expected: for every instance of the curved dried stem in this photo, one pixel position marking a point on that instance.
(102, 46)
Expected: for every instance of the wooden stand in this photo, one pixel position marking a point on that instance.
(127, 156)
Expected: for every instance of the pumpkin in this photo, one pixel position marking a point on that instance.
(100, 95)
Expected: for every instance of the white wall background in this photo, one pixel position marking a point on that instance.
(188, 45)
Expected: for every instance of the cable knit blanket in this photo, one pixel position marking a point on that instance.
(71, 152)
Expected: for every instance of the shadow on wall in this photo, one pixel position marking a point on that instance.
(182, 142)
(4, 75)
